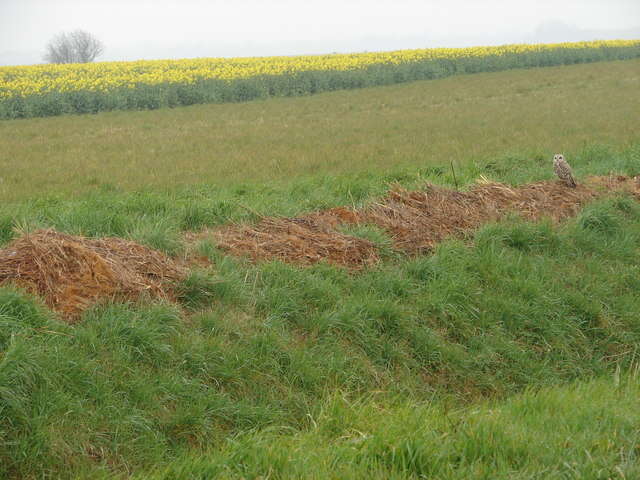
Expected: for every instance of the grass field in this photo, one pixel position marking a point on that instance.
(511, 353)
(475, 117)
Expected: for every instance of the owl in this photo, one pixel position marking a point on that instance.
(563, 170)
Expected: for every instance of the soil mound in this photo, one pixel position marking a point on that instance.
(416, 220)
(72, 273)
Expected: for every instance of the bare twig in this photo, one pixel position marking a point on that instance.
(455, 180)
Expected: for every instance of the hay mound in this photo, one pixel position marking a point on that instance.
(297, 240)
(417, 221)
(72, 273)
(617, 182)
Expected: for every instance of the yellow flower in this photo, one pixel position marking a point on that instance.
(23, 81)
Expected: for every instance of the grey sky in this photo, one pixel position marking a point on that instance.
(134, 29)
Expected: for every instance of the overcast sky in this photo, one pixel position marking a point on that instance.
(134, 29)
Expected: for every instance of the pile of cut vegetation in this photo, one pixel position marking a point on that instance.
(298, 240)
(72, 273)
(419, 220)
(416, 220)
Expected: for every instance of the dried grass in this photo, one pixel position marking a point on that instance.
(72, 273)
(416, 220)
(298, 240)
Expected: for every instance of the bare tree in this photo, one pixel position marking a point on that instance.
(73, 47)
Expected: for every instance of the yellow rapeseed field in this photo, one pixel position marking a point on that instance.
(23, 81)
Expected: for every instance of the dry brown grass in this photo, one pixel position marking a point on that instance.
(300, 240)
(417, 221)
(72, 273)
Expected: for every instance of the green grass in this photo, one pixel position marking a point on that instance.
(582, 431)
(474, 362)
(526, 113)
(135, 388)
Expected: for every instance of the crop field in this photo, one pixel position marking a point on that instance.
(386, 282)
(46, 90)
(467, 118)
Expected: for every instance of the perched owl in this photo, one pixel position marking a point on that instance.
(563, 170)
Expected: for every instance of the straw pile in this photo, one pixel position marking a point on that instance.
(619, 183)
(298, 240)
(417, 221)
(72, 273)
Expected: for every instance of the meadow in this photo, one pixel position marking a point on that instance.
(509, 353)
(470, 118)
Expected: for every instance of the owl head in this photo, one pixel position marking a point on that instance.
(558, 157)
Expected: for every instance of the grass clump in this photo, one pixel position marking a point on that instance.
(583, 430)
(374, 234)
(201, 289)
(19, 315)
(599, 219)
